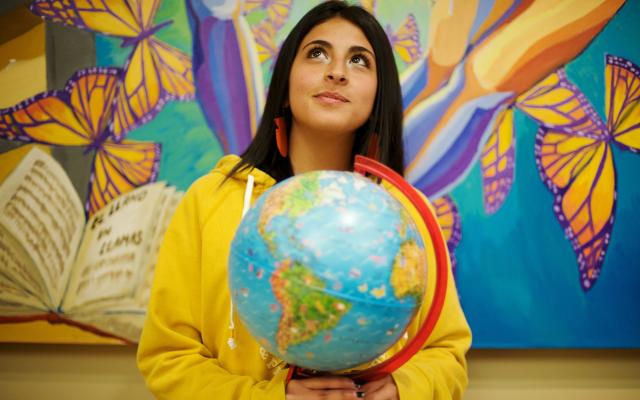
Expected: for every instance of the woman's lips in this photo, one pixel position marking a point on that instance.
(331, 97)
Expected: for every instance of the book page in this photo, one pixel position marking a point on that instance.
(21, 286)
(108, 266)
(144, 289)
(40, 208)
(149, 259)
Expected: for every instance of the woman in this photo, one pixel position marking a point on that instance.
(334, 93)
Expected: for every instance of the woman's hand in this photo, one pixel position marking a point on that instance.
(381, 389)
(325, 387)
(338, 388)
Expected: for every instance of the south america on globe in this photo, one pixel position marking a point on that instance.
(327, 270)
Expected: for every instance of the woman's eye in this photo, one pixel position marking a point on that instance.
(315, 53)
(360, 60)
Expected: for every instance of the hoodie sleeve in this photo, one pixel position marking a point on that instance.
(171, 356)
(439, 370)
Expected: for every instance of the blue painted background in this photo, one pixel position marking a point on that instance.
(517, 274)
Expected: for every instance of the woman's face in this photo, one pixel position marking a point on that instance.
(333, 82)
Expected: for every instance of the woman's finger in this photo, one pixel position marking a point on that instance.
(323, 394)
(381, 389)
(372, 386)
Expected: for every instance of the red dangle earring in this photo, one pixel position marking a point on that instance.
(282, 141)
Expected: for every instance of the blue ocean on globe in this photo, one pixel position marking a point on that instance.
(327, 270)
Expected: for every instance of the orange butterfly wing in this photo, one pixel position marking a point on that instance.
(74, 117)
(119, 168)
(406, 41)
(450, 223)
(278, 12)
(623, 101)
(176, 73)
(140, 95)
(553, 102)
(113, 17)
(497, 162)
(78, 116)
(155, 72)
(265, 35)
(577, 166)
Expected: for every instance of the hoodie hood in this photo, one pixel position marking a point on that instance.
(262, 180)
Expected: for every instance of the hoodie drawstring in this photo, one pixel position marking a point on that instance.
(248, 191)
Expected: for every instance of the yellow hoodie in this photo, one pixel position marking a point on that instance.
(185, 350)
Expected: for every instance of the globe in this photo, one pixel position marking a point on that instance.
(327, 270)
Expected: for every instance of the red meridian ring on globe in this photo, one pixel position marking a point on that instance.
(364, 165)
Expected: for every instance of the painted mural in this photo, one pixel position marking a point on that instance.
(521, 125)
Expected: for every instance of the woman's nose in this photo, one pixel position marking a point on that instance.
(335, 75)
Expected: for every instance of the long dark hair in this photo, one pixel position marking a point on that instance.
(385, 123)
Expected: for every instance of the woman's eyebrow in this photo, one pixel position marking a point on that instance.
(352, 49)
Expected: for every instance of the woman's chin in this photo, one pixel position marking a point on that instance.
(335, 128)
(336, 122)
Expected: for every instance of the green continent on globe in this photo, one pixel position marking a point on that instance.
(306, 309)
(407, 274)
(292, 200)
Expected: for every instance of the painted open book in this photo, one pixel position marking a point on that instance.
(56, 266)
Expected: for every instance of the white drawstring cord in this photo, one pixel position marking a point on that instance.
(231, 342)
(247, 195)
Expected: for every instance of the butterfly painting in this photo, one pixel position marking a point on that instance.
(277, 10)
(265, 36)
(406, 40)
(552, 102)
(264, 33)
(79, 115)
(449, 220)
(497, 162)
(573, 154)
(154, 72)
(575, 158)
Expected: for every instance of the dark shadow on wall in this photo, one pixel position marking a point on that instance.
(67, 50)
